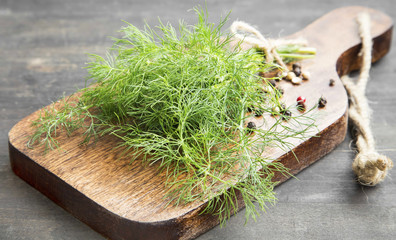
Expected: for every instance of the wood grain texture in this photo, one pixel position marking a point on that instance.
(131, 207)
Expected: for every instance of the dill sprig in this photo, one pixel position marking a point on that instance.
(180, 98)
(295, 52)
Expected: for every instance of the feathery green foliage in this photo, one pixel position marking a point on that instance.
(180, 99)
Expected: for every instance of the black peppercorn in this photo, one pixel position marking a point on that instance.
(286, 114)
(262, 91)
(258, 112)
(280, 91)
(301, 107)
(331, 82)
(296, 65)
(322, 102)
(262, 94)
(250, 126)
(272, 82)
(297, 71)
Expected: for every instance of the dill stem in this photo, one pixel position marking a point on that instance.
(296, 56)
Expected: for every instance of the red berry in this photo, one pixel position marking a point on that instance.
(301, 100)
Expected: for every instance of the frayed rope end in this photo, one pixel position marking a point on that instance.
(371, 168)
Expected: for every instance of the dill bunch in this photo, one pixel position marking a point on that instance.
(180, 98)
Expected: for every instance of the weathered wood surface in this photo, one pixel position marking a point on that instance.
(50, 66)
(98, 185)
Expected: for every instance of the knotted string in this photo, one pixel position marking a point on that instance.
(369, 166)
(257, 40)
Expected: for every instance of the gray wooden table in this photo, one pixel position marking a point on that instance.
(43, 46)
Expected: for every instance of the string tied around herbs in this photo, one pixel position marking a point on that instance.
(369, 166)
(250, 35)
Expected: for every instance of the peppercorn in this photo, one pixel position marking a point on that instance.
(296, 65)
(275, 111)
(331, 82)
(305, 75)
(280, 91)
(301, 100)
(297, 71)
(282, 75)
(301, 103)
(286, 114)
(290, 76)
(272, 82)
(322, 102)
(278, 76)
(301, 107)
(251, 126)
(258, 112)
(296, 80)
(262, 91)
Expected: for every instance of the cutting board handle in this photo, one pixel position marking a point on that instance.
(341, 45)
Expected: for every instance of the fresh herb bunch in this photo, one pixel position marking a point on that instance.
(180, 99)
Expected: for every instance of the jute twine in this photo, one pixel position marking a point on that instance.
(369, 166)
(239, 30)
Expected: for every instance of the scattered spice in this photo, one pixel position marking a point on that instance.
(290, 76)
(296, 75)
(301, 107)
(263, 94)
(322, 102)
(301, 103)
(301, 100)
(296, 80)
(281, 75)
(286, 114)
(305, 75)
(280, 91)
(297, 71)
(296, 65)
(251, 126)
(331, 82)
(258, 112)
(262, 91)
(275, 111)
(272, 82)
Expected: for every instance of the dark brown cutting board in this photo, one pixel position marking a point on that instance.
(97, 184)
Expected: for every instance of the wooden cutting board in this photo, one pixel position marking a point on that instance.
(97, 184)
